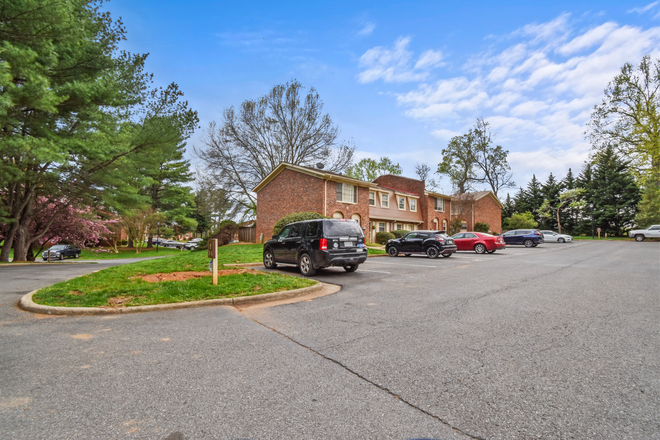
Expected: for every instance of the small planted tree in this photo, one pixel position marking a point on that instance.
(384, 237)
(482, 227)
(455, 226)
(567, 199)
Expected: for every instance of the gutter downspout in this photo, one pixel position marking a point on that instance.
(325, 198)
(473, 216)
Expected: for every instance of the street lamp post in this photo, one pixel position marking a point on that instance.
(158, 239)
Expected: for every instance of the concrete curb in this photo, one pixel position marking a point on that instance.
(47, 263)
(27, 304)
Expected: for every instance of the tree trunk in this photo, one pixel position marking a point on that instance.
(9, 243)
(20, 248)
(558, 221)
(150, 240)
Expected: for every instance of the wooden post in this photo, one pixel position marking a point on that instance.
(213, 253)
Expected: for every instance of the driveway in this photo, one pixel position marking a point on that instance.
(558, 341)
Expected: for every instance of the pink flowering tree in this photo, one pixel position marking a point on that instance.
(79, 226)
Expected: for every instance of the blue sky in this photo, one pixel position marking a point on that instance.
(401, 78)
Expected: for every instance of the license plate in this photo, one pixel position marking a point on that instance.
(349, 244)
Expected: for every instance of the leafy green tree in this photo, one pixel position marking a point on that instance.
(523, 220)
(72, 109)
(648, 210)
(613, 192)
(472, 159)
(369, 169)
(629, 117)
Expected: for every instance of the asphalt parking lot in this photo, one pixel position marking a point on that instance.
(558, 341)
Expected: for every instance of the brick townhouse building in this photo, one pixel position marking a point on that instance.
(388, 203)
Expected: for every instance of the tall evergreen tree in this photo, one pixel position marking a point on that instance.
(551, 190)
(570, 217)
(535, 198)
(614, 193)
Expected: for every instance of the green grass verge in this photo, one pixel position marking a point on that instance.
(97, 289)
(604, 239)
(375, 251)
(91, 254)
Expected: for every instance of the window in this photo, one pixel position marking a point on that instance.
(439, 204)
(468, 235)
(398, 227)
(313, 229)
(402, 203)
(381, 227)
(346, 193)
(284, 233)
(384, 200)
(372, 199)
(296, 230)
(357, 218)
(413, 205)
(444, 225)
(337, 215)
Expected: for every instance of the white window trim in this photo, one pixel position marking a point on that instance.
(410, 204)
(444, 204)
(374, 194)
(388, 200)
(353, 192)
(398, 203)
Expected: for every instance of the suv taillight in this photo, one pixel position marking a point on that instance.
(324, 244)
(537, 233)
(440, 238)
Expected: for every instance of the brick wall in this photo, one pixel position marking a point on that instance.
(430, 213)
(289, 192)
(486, 210)
(292, 191)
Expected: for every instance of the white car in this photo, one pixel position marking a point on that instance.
(643, 234)
(553, 237)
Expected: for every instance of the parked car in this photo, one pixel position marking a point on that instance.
(171, 244)
(643, 234)
(60, 252)
(195, 240)
(431, 243)
(191, 245)
(479, 242)
(554, 237)
(315, 244)
(526, 237)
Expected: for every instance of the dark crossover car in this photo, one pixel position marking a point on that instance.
(526, 237)
(315, 244)
(60, 252)
(431, 243)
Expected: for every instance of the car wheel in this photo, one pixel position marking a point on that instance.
(491, 252)
(393, 251)
(528, 243)
(639, 237)
(61, 257)
(480, 248)
(561, 240)
(432, 252)
(76, 255)
(305, 265)
(351, 267)
(269, 260)
(446, 254)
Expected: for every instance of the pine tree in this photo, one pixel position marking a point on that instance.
(570, 218)
(535, 198)
(614, 193)
(551, 190)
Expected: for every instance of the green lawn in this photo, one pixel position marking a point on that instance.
(603, 238)
(97, 289)
(92, 254)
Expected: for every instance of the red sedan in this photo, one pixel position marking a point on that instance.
(478, 242)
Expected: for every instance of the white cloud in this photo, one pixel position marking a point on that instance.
(367, 29)
(394, 65)
(643, 8)
(430, 58)
(537, 91)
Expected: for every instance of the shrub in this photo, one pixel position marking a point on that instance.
(455, 226)
(494, 233)
(481, 227)
(521, 221)
(399, 233)
(226, 231)
(295, 217)
(384, 237)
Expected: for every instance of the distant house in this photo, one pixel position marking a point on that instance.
(478, 207)
(386, 204)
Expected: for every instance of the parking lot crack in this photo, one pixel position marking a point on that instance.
(365, 379)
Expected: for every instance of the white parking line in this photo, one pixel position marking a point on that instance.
(376, 271)
(397, 264)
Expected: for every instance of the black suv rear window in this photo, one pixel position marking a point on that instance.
(345, 228)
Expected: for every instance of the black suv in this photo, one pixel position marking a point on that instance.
(431, 243)
(315, 244)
